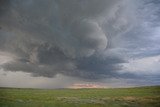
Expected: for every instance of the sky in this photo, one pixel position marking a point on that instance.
(61, 43)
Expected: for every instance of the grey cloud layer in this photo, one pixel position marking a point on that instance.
(70, 37)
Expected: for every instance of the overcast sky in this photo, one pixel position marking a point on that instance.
(58, 43)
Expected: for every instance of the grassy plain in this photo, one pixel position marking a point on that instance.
(116, 97)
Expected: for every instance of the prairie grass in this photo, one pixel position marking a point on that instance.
(116, 97)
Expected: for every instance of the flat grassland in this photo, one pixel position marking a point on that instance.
(116, 97)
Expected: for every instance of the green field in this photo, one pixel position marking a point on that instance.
(118, 97)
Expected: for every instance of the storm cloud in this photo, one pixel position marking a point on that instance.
(88, 39)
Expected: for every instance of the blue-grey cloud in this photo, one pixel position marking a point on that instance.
(82, 38)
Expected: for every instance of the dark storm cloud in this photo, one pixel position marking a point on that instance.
(75, 32)
(80, 38)
(57, 36)
(97, 66)
(4, 5)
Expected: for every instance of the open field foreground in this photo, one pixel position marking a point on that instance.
(119, 97)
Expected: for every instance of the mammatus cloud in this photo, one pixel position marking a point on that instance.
(80, 38)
